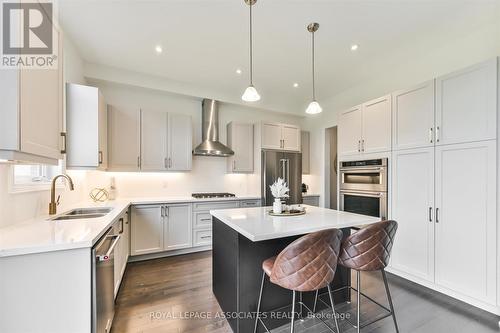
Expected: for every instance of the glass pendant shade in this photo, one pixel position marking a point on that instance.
(313, 108)
(250, 94)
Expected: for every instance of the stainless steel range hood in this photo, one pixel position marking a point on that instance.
(210, 145)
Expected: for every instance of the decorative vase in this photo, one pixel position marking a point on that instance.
(277, 206)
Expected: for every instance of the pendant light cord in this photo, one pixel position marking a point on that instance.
(251, 47)
(313, 76)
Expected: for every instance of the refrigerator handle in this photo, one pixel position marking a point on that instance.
(287, 171)
(283, 168)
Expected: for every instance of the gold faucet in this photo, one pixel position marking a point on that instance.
(53, 203)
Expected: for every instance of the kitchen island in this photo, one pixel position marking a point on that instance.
(244, 237)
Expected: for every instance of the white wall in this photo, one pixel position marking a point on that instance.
(208, 173)
(406, 67)
(18, 207)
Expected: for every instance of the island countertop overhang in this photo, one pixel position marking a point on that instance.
(257, 225)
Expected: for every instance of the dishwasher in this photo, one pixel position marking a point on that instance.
(103, 303)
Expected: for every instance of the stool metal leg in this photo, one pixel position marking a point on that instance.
(390, 300)
(358, 297)
(258, 304)
(293, 311)
(316, 301)
(333, 308)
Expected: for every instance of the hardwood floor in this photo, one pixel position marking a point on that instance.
(159, 295)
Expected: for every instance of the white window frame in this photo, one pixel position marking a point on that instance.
(33, 186)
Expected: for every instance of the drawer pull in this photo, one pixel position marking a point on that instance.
(205, 237)
(206, 220)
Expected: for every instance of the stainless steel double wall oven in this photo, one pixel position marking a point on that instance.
(363, 187)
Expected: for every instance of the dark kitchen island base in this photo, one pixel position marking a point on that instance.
(237, 274)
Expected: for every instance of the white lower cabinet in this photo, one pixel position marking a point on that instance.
(157, 228)
(147, 229)
(177, 227)
(466, 228)
(122, 250)
(311, 200)
(413, 209)
(169, 227)
(444, 200)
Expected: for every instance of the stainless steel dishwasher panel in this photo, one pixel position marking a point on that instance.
(103, 307)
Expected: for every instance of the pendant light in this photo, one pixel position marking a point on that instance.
(251, 94)
(313, 107)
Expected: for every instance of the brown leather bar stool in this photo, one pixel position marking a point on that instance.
(369, 249)
(307, 264)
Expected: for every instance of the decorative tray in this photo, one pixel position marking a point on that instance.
(287, 213)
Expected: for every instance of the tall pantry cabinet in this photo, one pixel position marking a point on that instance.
(444, 198)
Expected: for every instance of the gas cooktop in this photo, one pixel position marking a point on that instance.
(212, 195)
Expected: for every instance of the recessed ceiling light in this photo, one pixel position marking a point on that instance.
(354, 47)
(158, 49)
(295, 85)
(238, 71)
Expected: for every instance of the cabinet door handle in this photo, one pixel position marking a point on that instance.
(363, 145)
(165, 162)
(166, 211)
(121, 225)
(205, 237)
(170, 162)
(100, 157)
(162, 211)
(431, 135)
(139, 162)
(437, 134)
(63, 150)
(234, 165)
(359, 146)
(430, 214)
(437, 215)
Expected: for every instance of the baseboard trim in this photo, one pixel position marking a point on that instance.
(164, 254)
(447, 292)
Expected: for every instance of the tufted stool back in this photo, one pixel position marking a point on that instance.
(369, 249)
(308, 263)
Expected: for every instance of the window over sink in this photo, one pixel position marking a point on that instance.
(33, 177)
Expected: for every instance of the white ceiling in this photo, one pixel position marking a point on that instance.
(204, 42)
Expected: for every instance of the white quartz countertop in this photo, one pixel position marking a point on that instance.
(44, 235)
(257, 225)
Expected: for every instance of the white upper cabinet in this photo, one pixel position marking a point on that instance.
(32, 113)
(291, 137)
(177, 227)
(180, 142)
(154, 140)
(271, 136)
(149, 140)
(413, 208)
(366, 128)
(350, 131)
(280, 136)
(376, 127)
(466, 104)
(466, 219)
(240, 140)
(413, 117)
(86, 127)
(124, 138)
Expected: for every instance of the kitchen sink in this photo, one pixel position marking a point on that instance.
(77, 217)
(83, 213)
(87, 211)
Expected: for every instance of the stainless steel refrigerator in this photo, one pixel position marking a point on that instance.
(284, 165)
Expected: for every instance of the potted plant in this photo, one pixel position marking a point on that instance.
(279, 190)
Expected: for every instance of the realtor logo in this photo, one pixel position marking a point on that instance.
(28, 34)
